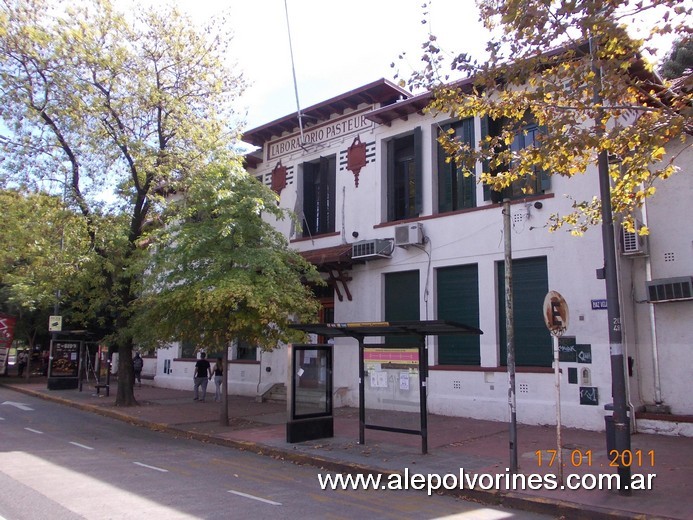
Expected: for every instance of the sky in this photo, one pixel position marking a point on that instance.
(337, 46)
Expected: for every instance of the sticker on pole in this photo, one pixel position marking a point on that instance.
(556, 314)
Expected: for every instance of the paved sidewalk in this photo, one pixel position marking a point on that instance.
(480, 447)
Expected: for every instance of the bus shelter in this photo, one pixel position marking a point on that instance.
(399, 364)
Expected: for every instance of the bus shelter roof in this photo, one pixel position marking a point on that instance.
(388, 328)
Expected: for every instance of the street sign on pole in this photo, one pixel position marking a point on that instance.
(55, 323)
(557, 317)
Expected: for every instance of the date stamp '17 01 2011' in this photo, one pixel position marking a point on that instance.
(584, 458)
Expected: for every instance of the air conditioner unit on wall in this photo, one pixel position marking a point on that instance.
(632, 244)
(670, 289)
(409, 234)
(371, 249)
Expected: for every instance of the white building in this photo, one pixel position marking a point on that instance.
(399, 235)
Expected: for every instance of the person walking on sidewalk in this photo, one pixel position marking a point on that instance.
(45, 361)
(137, 364)
(203, 373)
(21, 362)
(218, 378)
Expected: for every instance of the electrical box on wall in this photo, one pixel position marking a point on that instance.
(409, 234)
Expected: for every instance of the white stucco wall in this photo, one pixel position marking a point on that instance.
(476, 237)
(669, 247)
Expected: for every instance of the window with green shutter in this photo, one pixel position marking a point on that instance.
(404, 177)
(187, 349)
(530, 283)
(526, 136)
(455, 190)
(458, 300)
(319, 196)
(245, 350)
(402, 300)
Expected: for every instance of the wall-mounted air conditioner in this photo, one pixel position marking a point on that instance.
(670, 289)
(632, 244)
(409, 234)
(371, 249)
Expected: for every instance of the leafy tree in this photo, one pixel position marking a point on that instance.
(43, 246)
(220, 271)
(571, 68)
(679, 60)
(130, 105)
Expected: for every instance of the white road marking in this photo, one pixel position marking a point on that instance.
(32, 430)
(151, 467)
(21, 406)
(254, 498)
(81, 445)
(49, 480)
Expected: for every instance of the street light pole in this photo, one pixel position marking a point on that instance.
(56, 305)
(621, 423)
(510, 332)
(618, 380)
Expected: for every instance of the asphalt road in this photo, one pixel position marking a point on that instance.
(61, 463)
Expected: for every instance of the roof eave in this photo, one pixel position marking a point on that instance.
(380, 91)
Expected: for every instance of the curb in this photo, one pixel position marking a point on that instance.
(507, 499)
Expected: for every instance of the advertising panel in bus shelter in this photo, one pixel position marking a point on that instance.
(63, 370)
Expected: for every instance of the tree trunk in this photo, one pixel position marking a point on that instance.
(224, 411)
(27, 368)
(126, 376)
(27, 376)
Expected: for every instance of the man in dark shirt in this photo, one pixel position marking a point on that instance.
(137, 364)
(203, 373)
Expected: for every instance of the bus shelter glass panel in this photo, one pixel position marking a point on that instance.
(391, 389)
(312, 381)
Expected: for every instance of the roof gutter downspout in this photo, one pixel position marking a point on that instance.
(659, 406)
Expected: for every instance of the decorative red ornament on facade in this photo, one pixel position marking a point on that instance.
(278, 178)
(356, 158)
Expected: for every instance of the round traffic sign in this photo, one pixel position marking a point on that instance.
(556, 315)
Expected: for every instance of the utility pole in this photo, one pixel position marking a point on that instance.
(510, 331)
(621, 424)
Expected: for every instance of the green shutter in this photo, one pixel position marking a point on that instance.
(544, 181)
(418, 172)
(309, 200)
(326, 210)
(458, 300)
(391, 180)
(444, 177)
(319, 196)
(323, 194)
(466, 185)
(402, 300)
(532, 339)
(485, 167)
(455, 191)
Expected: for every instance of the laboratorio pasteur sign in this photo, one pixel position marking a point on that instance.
(320, 134)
